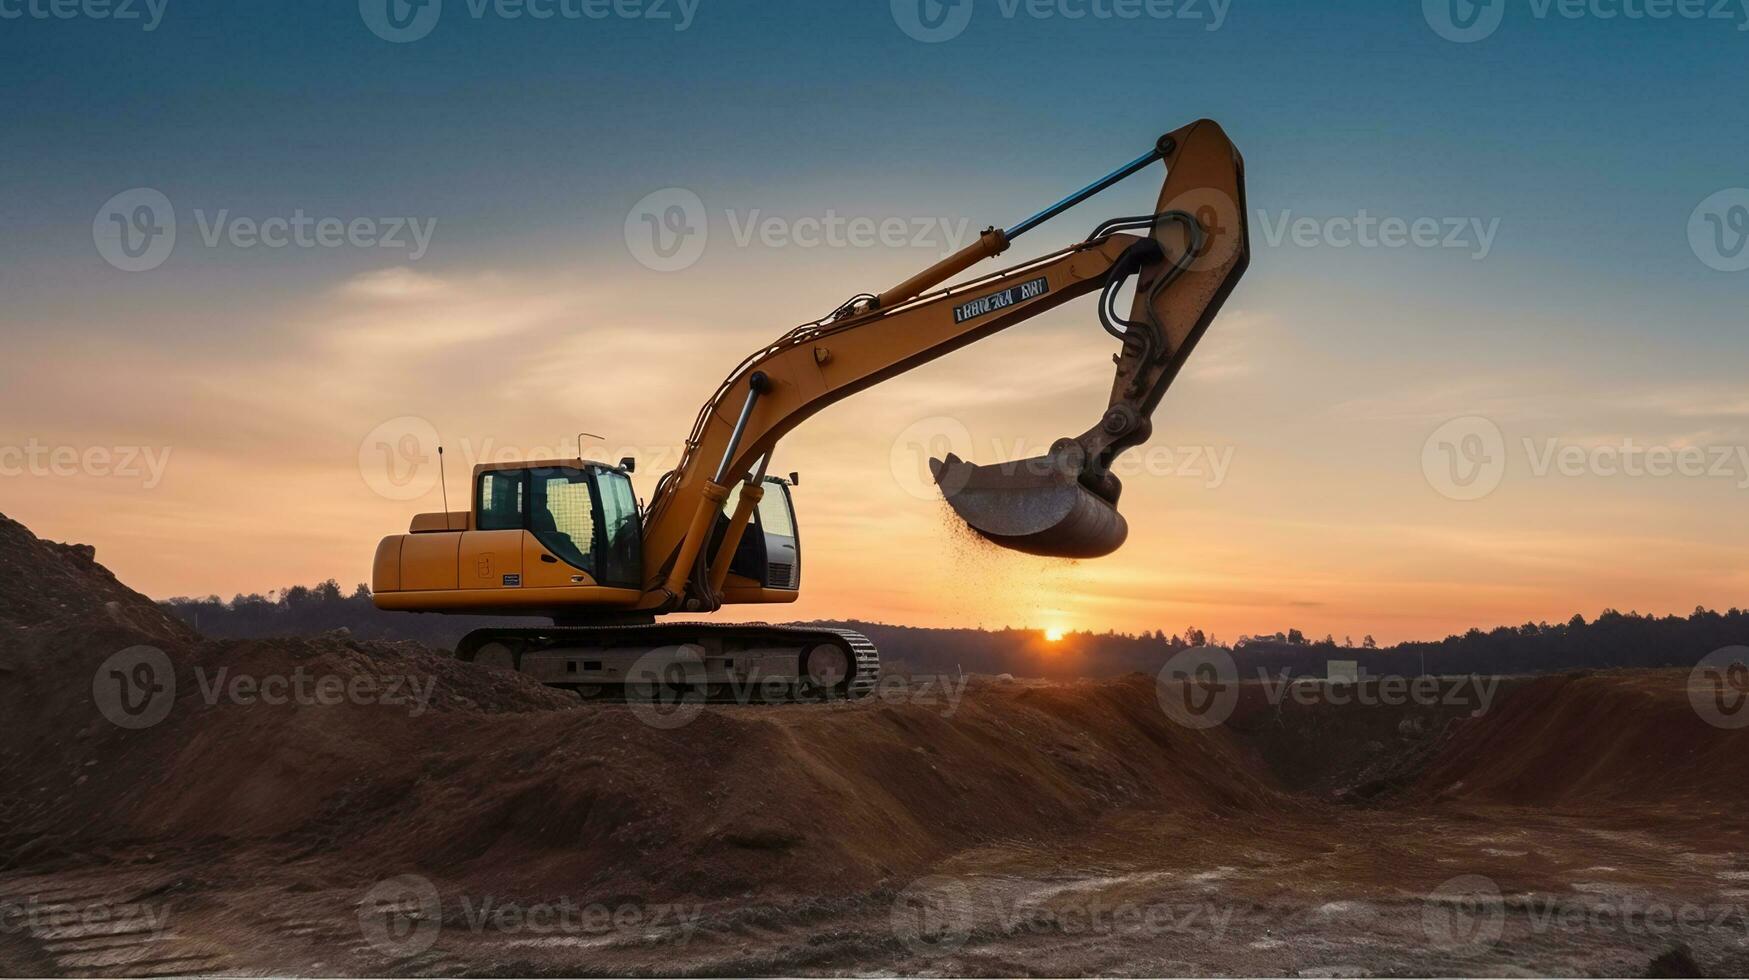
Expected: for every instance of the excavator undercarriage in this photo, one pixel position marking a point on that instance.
(567, 539)
(738, 663)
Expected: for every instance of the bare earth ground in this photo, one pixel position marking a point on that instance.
(1572, 825)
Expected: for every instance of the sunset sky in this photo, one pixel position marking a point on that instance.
(1303, 472)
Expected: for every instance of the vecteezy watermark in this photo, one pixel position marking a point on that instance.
(136, 231)
(1199, 688)
(669, 230)
(1718, 230)
(1464, 916)
(1718, 687)
(1472, 691)
(403, 21)
(403, 916)
(1466, 459)
(146, 464)
(147, 13)
(669, 687)
(936, 916)
(1364, 230)
(1468, 21)
(135, 688)
(937, 436)
(47, 919)
(307, 689)
(398, 458)
(1467, 916)
(935, 21)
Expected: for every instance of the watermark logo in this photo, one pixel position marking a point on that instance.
(1464, 21)
(933, 916)
(1345, 683)
(1718, 230)
(667, 687)
(925, 439)
(401, 916)
(1365, 230)
(398, 459)
(932, 21)
(400, 21)
(149, 13)
(1465, 459)
(135, 231)
(1468, 21)
(935, 21)
(54, 919)
(1718, 687)
(300, 687)
(1199, 687)
(667, 231)
(147, 464)
(135, 688)
(1464, 916)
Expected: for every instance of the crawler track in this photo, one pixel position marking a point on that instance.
(599, 660)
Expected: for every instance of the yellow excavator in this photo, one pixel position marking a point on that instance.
(567, 539)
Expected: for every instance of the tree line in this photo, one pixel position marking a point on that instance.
(1613, 639)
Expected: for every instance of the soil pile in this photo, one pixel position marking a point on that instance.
(395, 758)
(1618, 737)
(43, 582)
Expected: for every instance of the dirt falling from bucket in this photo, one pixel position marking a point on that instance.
(1014, 589)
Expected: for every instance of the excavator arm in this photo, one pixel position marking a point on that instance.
(1185, 258)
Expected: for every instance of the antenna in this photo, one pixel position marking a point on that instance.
(580, 436)
(444, 482)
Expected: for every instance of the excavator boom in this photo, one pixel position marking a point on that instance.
(566, 539)
(1185, 261)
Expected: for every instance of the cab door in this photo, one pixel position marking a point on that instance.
(560, 547)
(777, 522)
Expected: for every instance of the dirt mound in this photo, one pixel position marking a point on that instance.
(445, 769)
(124, 727)
(1618, 737)
(45, 582)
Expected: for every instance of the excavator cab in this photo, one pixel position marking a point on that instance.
(537, 535)
(768, 557)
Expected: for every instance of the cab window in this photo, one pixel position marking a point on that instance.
(774, 512)
(562, 516)
(500, 501)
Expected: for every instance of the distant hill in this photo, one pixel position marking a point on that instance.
(1614, 639)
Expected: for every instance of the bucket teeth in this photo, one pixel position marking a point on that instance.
(1036, 506)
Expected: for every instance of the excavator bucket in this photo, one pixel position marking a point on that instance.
(1032, 506)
